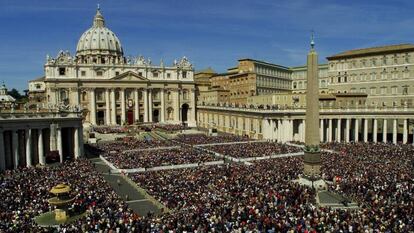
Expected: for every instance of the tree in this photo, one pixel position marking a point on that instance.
(15, 94)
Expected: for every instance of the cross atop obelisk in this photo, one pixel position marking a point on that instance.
(312, 157)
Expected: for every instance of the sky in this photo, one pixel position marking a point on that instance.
(210, 33)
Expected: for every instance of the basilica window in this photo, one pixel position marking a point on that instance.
(184, 74)
(155, 74)
(99, 73)
(168, 75)
(116, 73)
(405, 90)
(62, 71)
(83, 73)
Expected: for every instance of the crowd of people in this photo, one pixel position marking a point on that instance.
(263, 196)
(160, 157)
(132, 144)
(24, 193)
(253, 149)
(198, 139)
(170, 127)
(110, 129)
(232, 197)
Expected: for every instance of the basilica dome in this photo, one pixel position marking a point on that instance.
(99, 40)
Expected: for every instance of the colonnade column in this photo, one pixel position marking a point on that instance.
(384, 131)
(145, 94)
(113, 107)
(92, 102)
(375, 131)
(330, 130)
(347, 130)
(162, 105)
(150, 105)
(28, 135)
(394, 132)
(59, 143)
(405, 131)
(107, 108)
(2, 152)
(279, 130)
(40, 150)
(356, 130)
(365, 130)
(136, 105)
(338, 130)
(322, 130)
(15, 145)
(123, 120)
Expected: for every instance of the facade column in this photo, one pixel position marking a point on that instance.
(28, 135)
(40, 150)
(322, 130)
(150, 105)
(76, 142)
(145, 94)
(176, 99)
(330, 130)
(113, 107)
(2, 152)
(279, 130)
(405, 131)
(136, 105)
(347, 130)
(59, 143)
(107, 108)
(365, 130)
(15, 144)
(338, 130)
(92, 102)
(300, 129)
(303, 130)
(290, 138)
(192, 106)
(384, 131)
(123, 119)
(394, 132)
(375, 130)
(356, 130)
(162, 105)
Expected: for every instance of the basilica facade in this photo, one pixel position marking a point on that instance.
(113, 89)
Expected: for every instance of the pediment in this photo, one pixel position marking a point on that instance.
(129, 76)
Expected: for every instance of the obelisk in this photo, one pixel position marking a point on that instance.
(312, 156)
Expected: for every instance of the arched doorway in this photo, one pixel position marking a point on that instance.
(155, 115)
(184, 112)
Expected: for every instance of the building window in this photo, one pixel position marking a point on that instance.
(38, 86)
(116, 73)
(102, 60)
(140, 74)
(155, 74)
(184, 74)
(98, 73)
(168, 75)
(62, 71)
(405, 90)
(83, 73)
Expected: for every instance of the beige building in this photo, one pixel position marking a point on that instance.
(117, 90)
(384, 73)
(299, 79)
(252, 78)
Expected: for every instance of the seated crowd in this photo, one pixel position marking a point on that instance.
(161, 157)
(253, 149)
(198, 139)
(132, 144)
(109, 129)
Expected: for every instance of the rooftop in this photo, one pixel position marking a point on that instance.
(373, 51)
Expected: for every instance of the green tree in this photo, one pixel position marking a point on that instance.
(15, 94)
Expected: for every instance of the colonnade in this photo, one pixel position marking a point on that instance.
(387, 130)
(28, 146)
